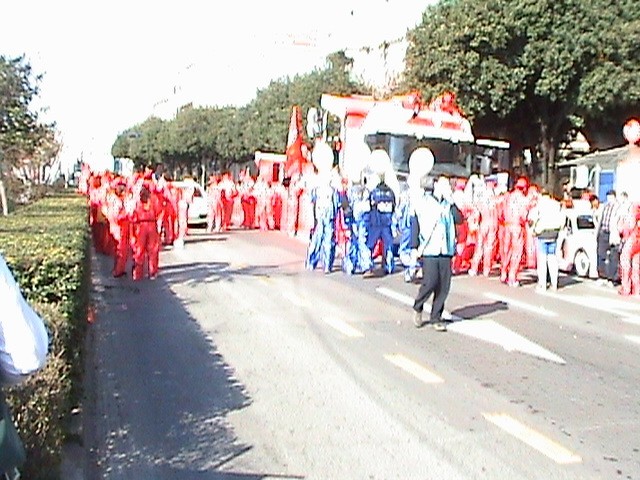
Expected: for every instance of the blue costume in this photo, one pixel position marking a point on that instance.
(403, 216)
(322, 246)
(358, 258)
(381, 222)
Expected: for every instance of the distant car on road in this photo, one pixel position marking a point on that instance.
(578, 244)
(198, 206)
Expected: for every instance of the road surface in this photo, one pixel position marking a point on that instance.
(236, 363)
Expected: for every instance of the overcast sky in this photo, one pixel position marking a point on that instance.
(106, 64)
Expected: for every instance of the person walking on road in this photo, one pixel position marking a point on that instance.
(146, 247)
(434, 238)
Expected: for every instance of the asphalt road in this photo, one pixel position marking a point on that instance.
(236, 363)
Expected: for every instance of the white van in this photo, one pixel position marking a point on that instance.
(199, 205)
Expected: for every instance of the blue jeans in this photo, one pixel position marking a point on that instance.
(547, 262)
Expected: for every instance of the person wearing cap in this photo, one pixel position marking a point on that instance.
(434, 239)
(515, 215)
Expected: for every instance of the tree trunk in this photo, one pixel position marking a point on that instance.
(548, 151)
(3, 199)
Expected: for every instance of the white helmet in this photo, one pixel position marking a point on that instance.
(421, 162)
(380, 165)
(379, 162)
(322, 157)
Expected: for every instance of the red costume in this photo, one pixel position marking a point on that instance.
(295, 192)
(530, 240)
(248, 202)
(278, 194)
(486, 208)
(169, 213)
(629, 225)
(119, 227)
(146, 249)
(515, 213)
(228, 193)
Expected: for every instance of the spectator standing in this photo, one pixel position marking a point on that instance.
(434, 238)
(605, 257)
(547, 220)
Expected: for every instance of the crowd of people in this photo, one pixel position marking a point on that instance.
(501, 230)
(359, 219)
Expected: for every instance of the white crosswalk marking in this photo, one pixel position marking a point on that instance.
(536, 440)
(628, 312)
(493, 332)
(486, 330)
(633, 338)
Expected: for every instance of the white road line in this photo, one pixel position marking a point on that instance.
(400, 297)
(633, 338)
(486, 330)
(415, 369)
(536, 440)
(631, 320)
(522, 305)
(618, 307)
(492, 332)
(407, 300)
(343, 327)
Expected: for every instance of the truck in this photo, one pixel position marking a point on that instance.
(402, 123)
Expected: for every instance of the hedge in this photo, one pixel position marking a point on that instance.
(46, 245)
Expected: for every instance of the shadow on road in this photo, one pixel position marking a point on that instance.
(197, 273)
(470, 312)
(158, 392)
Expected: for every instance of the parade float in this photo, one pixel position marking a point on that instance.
(402, 123)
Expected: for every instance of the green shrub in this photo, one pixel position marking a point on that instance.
(46, 245)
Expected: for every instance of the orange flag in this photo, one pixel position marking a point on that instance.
(295, 141)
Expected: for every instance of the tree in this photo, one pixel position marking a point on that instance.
(23, 139)
(610, 92)
(521, 69)
(202, 138)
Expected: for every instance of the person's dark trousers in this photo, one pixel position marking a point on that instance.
(613, 271)
(436, 279)
(603, 251)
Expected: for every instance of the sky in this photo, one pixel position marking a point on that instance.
(109, 65)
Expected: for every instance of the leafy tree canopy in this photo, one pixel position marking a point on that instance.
(217, 137)
(20, 131)
(524, 69)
